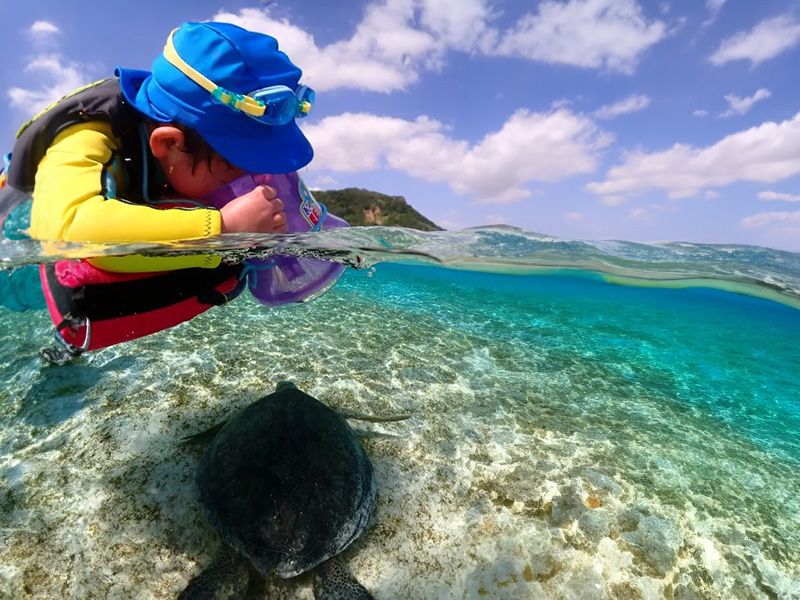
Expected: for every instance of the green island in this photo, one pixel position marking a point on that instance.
(365, 207)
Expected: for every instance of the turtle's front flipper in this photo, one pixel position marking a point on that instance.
(205, 436)
(332, 581)
(359, 416)
(226, 578)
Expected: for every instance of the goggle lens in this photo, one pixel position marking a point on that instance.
(282, 105)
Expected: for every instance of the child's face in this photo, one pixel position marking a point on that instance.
(196, 181)
(193, 181)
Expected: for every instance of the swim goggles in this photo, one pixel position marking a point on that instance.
(273, 105)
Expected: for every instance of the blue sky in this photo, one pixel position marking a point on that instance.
(660, 120)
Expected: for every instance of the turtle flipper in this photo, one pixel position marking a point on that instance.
(359, 416)
(226, 578)
(205, 436)
(332, 581)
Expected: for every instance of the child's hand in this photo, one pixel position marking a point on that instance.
(258, 211)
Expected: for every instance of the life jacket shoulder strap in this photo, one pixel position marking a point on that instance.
(101, 100)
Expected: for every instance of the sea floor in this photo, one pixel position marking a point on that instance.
(553, 451)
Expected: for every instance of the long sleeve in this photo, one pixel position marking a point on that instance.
(69, 204)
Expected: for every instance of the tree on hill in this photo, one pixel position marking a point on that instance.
(365, 207)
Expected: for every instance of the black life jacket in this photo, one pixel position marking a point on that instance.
(92, 308)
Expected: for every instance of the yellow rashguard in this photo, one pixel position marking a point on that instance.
(69, 205)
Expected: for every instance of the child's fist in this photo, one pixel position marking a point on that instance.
(257, 211)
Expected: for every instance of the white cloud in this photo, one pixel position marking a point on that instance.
(766, 40)
(394, 41)
(63, 77)
(529, 147)
(397, 39)
(633, 103)
(597, 34)
(762, 219)
(43, 29)
(711, 195)
(739, 106)
(572, 216)
(324, 182)
(777, 196)
(769, 152)
(700, 113)
(462, 27)
(384, 54)
(714, 7)
(639, 214)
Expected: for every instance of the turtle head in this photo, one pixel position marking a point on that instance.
(285, 385)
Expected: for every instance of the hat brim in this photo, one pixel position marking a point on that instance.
(130, 82)
(256, 147)
(273, 150)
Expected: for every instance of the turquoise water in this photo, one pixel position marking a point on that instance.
(570, 438)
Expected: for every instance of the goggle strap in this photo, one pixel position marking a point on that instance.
(241, 102)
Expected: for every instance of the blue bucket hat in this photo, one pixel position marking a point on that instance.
(239, 62)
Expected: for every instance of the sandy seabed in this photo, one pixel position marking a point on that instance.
(488, 491)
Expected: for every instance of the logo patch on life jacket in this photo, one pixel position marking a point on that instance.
(309, 207)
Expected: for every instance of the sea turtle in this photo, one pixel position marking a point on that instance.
(287, 484)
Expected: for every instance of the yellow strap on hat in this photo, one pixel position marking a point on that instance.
(242, 102)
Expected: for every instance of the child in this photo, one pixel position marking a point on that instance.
(131, 158)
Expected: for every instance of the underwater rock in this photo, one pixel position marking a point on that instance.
(566, 509)
(658, 541)
(602, 481)
(545, 465)
(595, 524)
(684, 593)
(629, 519)
(587, 584)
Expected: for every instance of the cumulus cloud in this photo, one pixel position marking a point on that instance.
(529, 147)
(777, 196)
(43, 29)
(465, 28)
(63, 77)
(397, 39)
(633, 103)
(597, 34)
(769, 152)
(394, 41)
(770, 218)
(766, 40)
(324, 182)
(384, 54)
(51, 75)
(739, 106)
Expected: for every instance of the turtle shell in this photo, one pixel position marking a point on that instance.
(287, 483)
